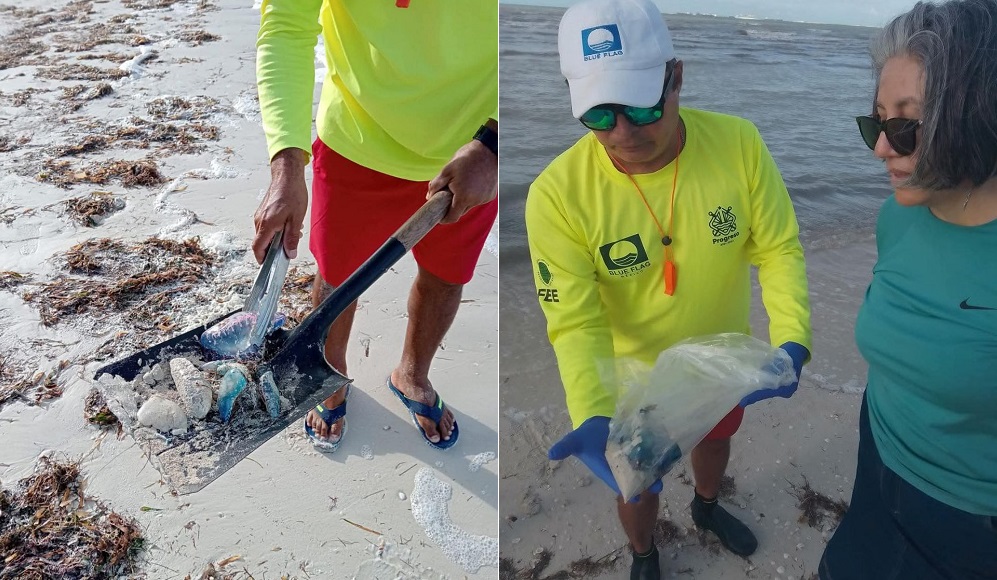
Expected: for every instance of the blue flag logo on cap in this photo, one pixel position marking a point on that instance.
(601, 41)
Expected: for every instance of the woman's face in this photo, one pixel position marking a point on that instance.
(901, 89)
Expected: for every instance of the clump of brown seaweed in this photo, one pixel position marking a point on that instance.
(50, 529)
(145, 276)
(816, 509)
(10, 279)
(80, 72)
(90, 210)
(586, 567)
(196, 37)
(129, 173)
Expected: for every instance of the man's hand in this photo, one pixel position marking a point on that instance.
(588, 443)
(472, 176)
(798, 353)
(284, 205)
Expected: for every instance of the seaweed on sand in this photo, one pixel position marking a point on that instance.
(88, 210)
(296, 296)
(19, 98)
(129, 173)
(33, 388)
(182, 137)
(666, 532)
(10, 279)
(96, 411)
(582, 568)
(196, 37)
(80, 72)
(50, 529)
(176, 108)
(816, 509)
(85, 145)
(144, 276)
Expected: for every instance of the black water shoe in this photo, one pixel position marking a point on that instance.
(646, 566)
(735, 536)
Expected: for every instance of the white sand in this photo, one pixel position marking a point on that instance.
(284, 509)
(561, 507)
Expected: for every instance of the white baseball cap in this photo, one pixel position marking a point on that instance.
(614, 51)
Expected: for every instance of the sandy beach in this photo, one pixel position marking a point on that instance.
(146, 110)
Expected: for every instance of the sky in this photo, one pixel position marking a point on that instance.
(855, 12)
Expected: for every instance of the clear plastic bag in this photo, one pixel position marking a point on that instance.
(664, 411)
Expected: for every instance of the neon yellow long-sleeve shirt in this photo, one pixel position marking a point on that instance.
(406, 87)
(598, 259)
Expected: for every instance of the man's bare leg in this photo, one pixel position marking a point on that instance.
(432, 306)
(638, 520)
(709, 462)
(335, 355)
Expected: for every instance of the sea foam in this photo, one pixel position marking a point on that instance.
(430, 498)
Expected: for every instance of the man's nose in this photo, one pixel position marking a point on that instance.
(623, 126)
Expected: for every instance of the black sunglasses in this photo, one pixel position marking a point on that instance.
(900, 133)
(603, 117)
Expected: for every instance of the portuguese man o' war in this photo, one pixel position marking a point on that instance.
(234, 381)
(271, 397)
(230, 338)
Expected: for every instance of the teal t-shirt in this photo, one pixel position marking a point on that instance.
(928, 329)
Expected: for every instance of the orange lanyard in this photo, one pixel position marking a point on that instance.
(670, 274)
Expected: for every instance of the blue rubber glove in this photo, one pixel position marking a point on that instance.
(588, 443)
(798, 353)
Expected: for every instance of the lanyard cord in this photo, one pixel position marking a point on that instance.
(670, 278)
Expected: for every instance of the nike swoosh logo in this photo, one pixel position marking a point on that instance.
(966, 306)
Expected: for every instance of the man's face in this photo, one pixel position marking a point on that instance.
(647, 148)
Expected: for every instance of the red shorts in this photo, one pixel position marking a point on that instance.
(727, 426)
(356, 209)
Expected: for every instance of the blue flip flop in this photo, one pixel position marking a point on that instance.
(434, 414)
(330, 416)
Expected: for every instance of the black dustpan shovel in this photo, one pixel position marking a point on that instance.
(296, 358)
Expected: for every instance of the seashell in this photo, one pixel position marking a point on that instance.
(230, 338)
(270, 394)
(162, 414)
(158, 371)
(195, 394)
(234, 381)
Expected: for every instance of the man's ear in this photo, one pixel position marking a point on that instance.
(677, 71)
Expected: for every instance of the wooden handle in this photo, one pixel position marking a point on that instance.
(425, 219)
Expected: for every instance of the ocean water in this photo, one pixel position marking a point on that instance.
(801, 84)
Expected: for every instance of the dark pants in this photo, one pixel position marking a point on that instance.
(893, 531)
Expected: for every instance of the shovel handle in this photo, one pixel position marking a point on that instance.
(425, 219)
(303, 353)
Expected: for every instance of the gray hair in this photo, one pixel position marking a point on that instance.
(956, 43)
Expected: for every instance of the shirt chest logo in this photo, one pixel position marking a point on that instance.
(625, 257)
(723, 222)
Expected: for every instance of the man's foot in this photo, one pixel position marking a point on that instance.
(646, 566)
(331, 433)
(423, 392)
(735, 536)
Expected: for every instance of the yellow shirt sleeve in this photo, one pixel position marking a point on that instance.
(285, 72)
(775, 248)
(568, 291)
